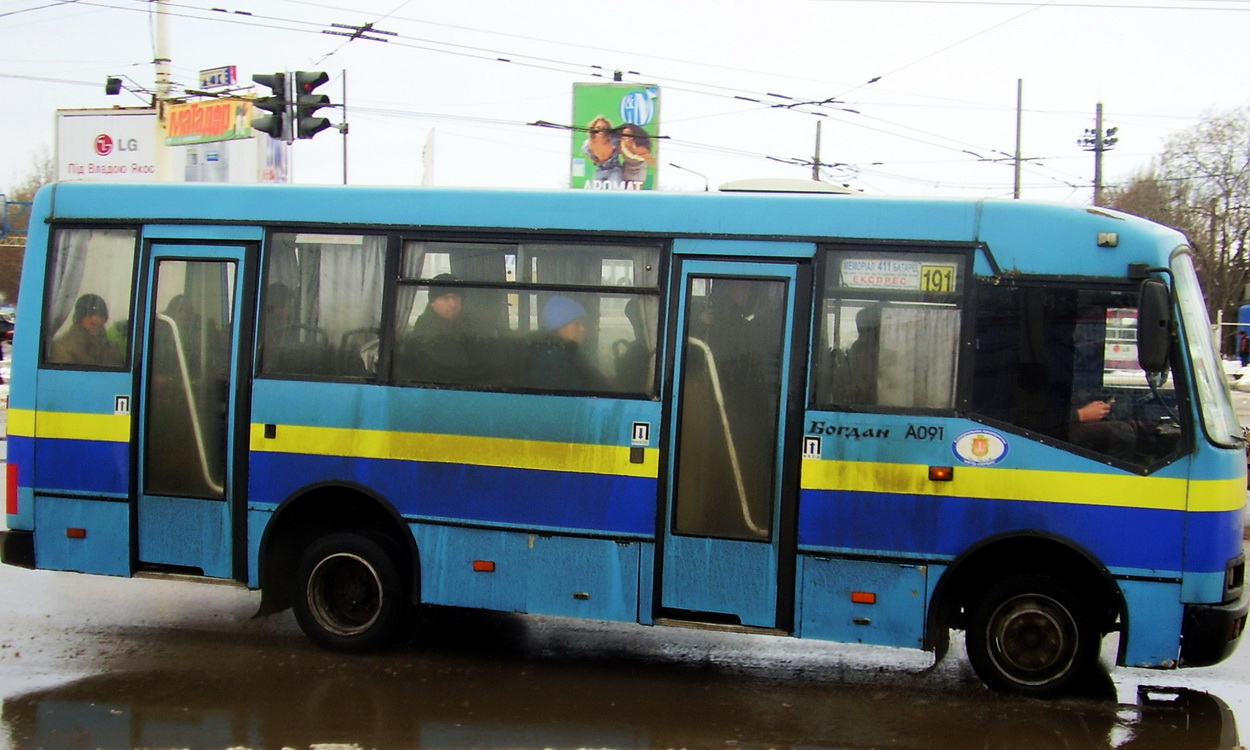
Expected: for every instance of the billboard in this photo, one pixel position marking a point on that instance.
(208, 121)
(259, 159)
(615, 144)
(106, 145)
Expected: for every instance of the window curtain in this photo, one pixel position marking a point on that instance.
(486, 309)
(410, 268)
(67, 272)
(916, 364)
(348, 287)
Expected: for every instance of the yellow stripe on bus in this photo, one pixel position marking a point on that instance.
(113, 428)
(1114, 490)
(21, 422)
(459, 449)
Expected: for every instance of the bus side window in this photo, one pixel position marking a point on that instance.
(549, 317)
(322, 305)
(889, 329)
(452, 319)
(86, 322)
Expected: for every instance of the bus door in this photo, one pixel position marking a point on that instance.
(187, 515)
(728, 539)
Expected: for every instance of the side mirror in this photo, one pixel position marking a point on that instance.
(1154, 325)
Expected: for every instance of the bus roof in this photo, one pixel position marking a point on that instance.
(1027, 236)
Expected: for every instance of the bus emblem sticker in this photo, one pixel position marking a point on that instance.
(980, 447)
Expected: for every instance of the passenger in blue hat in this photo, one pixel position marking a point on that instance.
(556, 361)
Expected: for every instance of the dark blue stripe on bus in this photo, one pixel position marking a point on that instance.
(594, 503)
(88, 466)
(20, 450)
(925, 526)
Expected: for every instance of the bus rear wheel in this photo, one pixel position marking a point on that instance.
(350, 595)
(1030, 635)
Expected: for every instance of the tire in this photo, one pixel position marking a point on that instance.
(1030, 635)
(350, 594)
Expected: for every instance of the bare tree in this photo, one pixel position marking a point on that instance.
(1201, 186)
(1211, 163)
(17, 216)
(42, 171)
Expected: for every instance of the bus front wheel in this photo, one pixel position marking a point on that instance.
(1030, 635)
(350, 595)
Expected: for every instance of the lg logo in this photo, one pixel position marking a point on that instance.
(104, 145)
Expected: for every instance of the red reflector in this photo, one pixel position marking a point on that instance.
(484, 566)
(941, 473)
(10, 489)
(863, 597)
(75, 533)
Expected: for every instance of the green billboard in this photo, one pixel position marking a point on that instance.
(615, 144)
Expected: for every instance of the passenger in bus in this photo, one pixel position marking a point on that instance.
(189, 327)
(1092, 421)
(179, 402)
(732, 393)
(1093, 425)
(442, 348)
(556, 359)
(855, 369)
(633, 359)
(86, 342)
(279, 319)
(291, 346)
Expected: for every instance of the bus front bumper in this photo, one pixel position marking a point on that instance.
(1211, 632)
(17, 548)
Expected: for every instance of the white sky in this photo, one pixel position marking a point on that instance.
(948, 82)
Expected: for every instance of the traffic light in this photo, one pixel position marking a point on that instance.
(276, 124)
(307, 103)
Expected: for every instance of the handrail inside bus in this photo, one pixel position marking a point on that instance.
(196, 429)
(729, 440)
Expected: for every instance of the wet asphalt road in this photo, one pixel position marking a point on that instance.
(94, 662)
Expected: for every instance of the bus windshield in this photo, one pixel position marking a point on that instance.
(1214, 399)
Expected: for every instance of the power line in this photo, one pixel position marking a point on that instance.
(1094, 6)
(822, 107)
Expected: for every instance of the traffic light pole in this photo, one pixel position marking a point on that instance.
(343, 126)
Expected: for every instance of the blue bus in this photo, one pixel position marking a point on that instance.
(846, 418)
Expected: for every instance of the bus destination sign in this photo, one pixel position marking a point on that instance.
(898, 275)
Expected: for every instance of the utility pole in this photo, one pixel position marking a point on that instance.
(1098, 141)
(164, 159)
(816, 158)
(343, 126)
(1019, 123)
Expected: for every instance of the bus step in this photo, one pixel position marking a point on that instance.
(719, 627)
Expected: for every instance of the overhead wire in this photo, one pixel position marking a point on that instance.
(765, 99)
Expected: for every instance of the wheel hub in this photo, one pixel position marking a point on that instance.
(345, 594)
(1033, 639)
